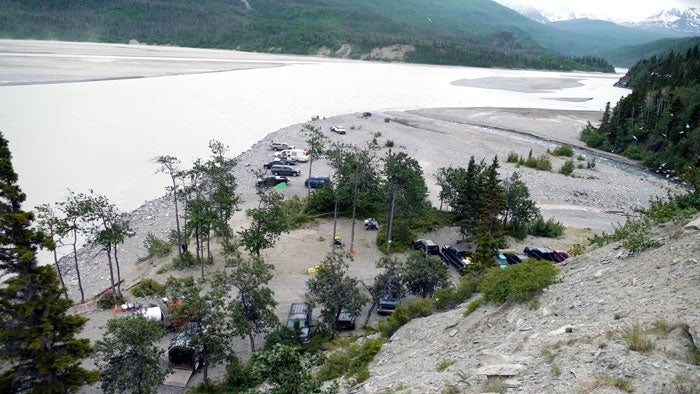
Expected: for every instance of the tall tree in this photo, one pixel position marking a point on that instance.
(128, 355)
(223, 188)
(518, 209)
(317, 143)
(253, 307)
(334, 289)
(54, 227)
(421, 274)
(287, 371)
(38, 347)
(388, 281)
(205, 329)
(170, 165)
(268, 222)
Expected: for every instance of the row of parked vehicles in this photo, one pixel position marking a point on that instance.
(459, 255)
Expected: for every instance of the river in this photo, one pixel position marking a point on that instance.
(93, 116)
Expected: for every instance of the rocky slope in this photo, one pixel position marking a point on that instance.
(577, 337)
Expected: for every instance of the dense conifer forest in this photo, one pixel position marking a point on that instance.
(477, 33)
(659, 122)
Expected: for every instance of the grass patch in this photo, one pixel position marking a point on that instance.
(636, 339)
(472, 306)
(156, 247)
(607, 380)
(444, 364)
(495, 385)
(350, 361)
(520, 282)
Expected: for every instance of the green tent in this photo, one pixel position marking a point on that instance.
(281, 185)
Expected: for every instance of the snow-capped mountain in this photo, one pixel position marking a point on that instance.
(684, 22)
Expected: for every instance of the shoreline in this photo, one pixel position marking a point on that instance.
(577, 210)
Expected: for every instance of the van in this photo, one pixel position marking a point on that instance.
(316, 182)
(300, 313)
(299, 155)
(285, 170)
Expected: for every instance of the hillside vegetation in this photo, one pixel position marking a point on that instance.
(659, 122)
(476, 33)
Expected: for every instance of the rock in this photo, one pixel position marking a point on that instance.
(693, 323)
(693, 226)
(500, 369)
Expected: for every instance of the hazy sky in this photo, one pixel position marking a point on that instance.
(617, 10)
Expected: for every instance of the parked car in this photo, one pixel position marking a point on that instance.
(459, 255)
(516, 258)
(427, 246)
(270, 181)
(388, 303)
(280, 146)
(279, 162)
(317, 182)
(345, 321)
(338, 129)
(300, 313)
(545, 254)
(285, 170)
(299, 155)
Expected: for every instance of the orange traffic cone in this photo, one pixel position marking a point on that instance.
(116, 309)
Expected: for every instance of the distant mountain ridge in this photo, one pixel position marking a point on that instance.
(685, 22)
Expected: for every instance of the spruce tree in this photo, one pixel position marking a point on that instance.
(38, 350)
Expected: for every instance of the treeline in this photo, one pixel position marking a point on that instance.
(286, 27)
(659, 122)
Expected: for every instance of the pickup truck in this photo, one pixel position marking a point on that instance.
(458, 255)
(388, 303)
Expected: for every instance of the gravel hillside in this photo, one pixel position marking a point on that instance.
(576, 338)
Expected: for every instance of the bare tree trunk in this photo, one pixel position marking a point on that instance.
(252, 342)
(177, 222)
(354, 210)
(58, 270)
(111, 273)
(391, 220)
(77, 266)
(119, 276)
(335, 223)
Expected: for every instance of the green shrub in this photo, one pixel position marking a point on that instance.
(321, 201)
(512, 157)
(156, 247)
(543, 164)
(636, 339)
(519, 282)
(444, 364)
(421, 307)
(387, 120)
(389, 144)
(147, 287)
(581, 158)
(238, 377)
(564, 150)
(403, 314)
(474, 305)
(188, 261)
(545, 228)
(567, 168)
(106, 301)
(449, 298)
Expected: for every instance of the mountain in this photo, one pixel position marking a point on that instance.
(627, 56)
(607, 35)
(686, 23)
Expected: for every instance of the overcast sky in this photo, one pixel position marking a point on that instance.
(616, 10)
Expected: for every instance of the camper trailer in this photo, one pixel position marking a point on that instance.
(299, 155)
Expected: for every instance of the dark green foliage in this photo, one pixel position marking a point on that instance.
(148, 287)
(476, 33)
(512, 157)
(268, 222)
(519, 282)
(564, 150)
(286, 370)
(239, 377)
(421, 274)
(128, 355)
(351, 361)
(334, 289)
(38, 348)
(549, 228)
(449, 298)
(659, 122)
(106, 300)
(155, 246)
(567, 168)
(473, 305)
(186, 261)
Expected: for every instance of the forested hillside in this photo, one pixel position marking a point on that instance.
(475, 33)
(659, 122)
(628, 55)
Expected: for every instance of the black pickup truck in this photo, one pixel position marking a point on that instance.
(458, 255)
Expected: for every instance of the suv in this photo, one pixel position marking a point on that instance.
(281, 146)
(300, 313)
(338, 129)
(427, 246)
(272, 180)
(317, 182)
(284, 170)
(345, 321)
(388, 303)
